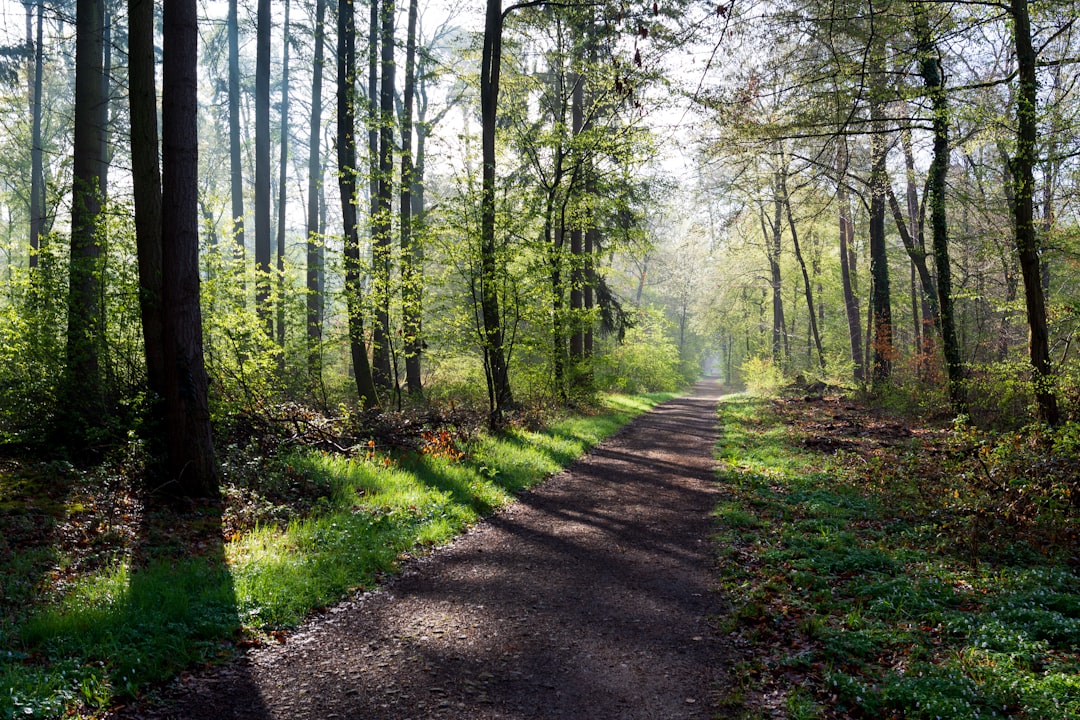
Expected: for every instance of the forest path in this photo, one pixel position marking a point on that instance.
(589, 597)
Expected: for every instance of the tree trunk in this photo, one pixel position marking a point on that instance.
(262, 166)
(146, 185)
(847, 238)
(939, 168)
(37, 172)
(187, 414)
(577, 238)
(772, 234)
(411, 270)
(236, 163)
(1024, 216)
(807, 288)
(879, 261)
(381, 222)
(315, 179)
(86, 312)
(346, 151)
(283, 181)
(498, 380)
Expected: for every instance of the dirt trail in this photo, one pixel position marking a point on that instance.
(588, 598)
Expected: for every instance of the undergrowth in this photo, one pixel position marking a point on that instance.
(297, 531)
(878, 570)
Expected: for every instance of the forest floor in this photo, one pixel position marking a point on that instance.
(591, 596)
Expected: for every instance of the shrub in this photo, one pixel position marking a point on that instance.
(761, 377)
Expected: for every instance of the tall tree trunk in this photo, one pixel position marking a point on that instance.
(411, 270)
(236, 161)
(933, 79)
(86, 312)
(807, 287)
(772, 233)
(283, 181)
(190, 444)
(1024, 215)
(315, 179)
(381, 222)
(146, 185)
(346, 151)
(577, 236)
(879, 261)
(497, 370)
(847, 238)
(37, 172)
(262, 165)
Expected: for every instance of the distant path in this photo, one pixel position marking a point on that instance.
(586, 599)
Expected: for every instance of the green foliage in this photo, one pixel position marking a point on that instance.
(844, 588)
(647, 360)
(762, 377)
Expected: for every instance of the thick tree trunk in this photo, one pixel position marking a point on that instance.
(411, 256)
(190, 444)
(86, 312)
(1024, 215)
(262, 165)
(883, 349)
(346, 152)
(497, 370)
(315, 179)
(146, 184)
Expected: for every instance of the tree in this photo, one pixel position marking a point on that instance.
(262, 166)
(496, 368)
(37, 173)
(236, 174)
(191, 462)
(346, 152)
(381, 221)
(283, 178)
(86, 312)
(146, 185)
(314, 244)
(1023, 176)
(411, 254)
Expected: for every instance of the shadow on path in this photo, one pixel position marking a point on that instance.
(588, 598)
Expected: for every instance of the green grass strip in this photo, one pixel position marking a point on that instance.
(121, 630)
(849, 603)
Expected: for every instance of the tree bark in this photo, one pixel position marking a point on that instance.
(883, 349)
(411, 255)
(86, 312)
(283, 181)
(381, 222)
(497, 370)
(236, 164)
(847, 238)
(1022, 167)
(346, 151)
(807, 287)
(315, 179)
(262, 165)
(191, 461)
(37, 172)
(146, 184)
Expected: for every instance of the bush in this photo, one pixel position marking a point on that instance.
(762, 377)
(646, 361)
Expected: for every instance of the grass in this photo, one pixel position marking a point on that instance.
(132, 623)
(854, 602)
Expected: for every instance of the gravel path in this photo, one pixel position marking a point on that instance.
(588, 598)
